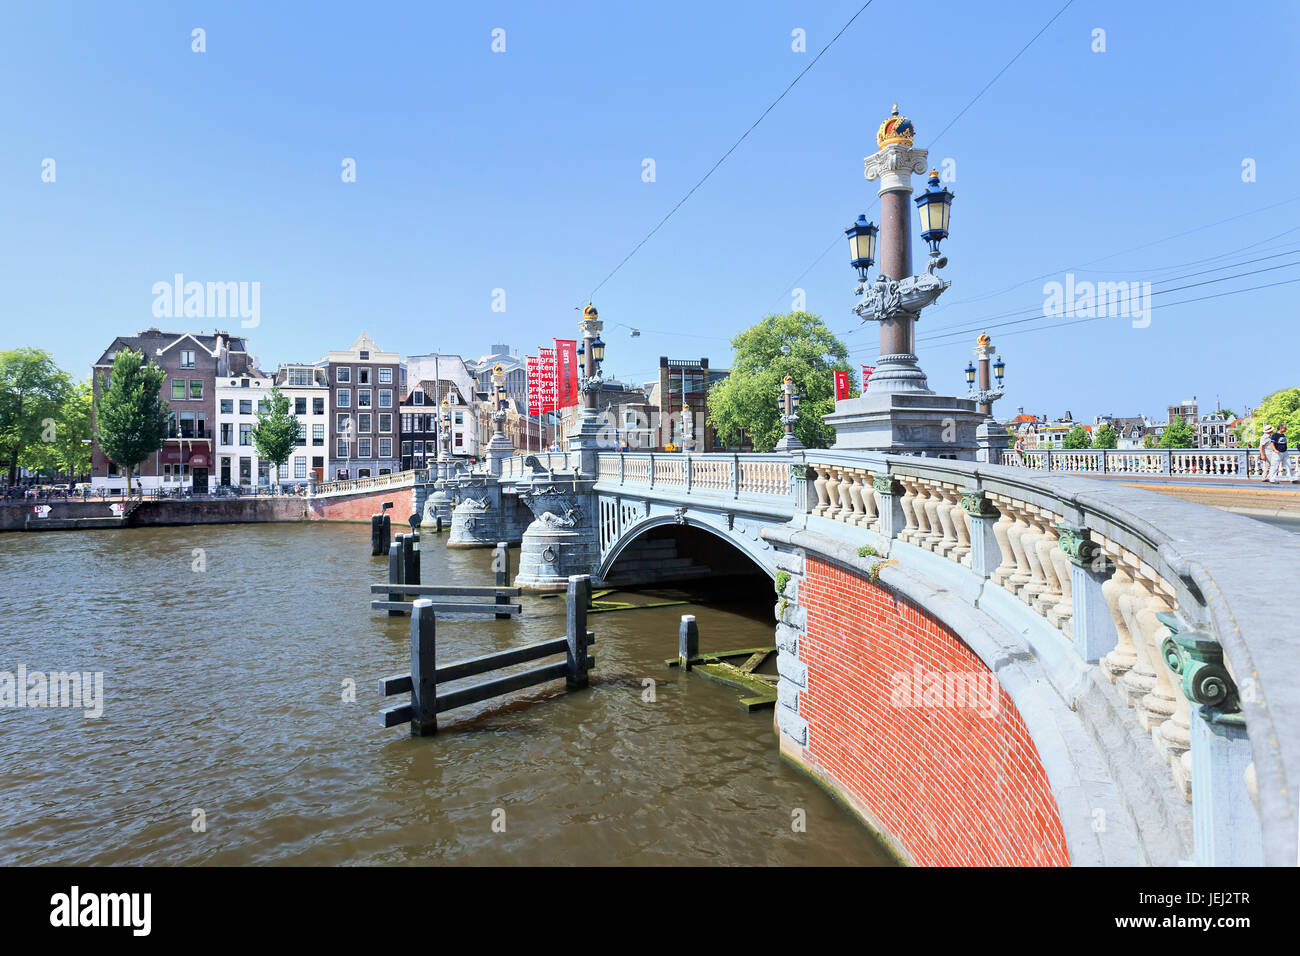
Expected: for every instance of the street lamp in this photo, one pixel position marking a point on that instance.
(789, 415)
(999, 369)
(970, 374)
(598, 350)
(862, 245)
(935, 206)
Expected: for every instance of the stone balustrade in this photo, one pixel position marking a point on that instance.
(726, 474)
(351, 486)
(1242, 463)
(1128, 588)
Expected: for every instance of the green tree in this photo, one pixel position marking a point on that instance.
(1280, 408)
(132, 416)
(1178, 434)
(1077, 437)
(1106, 437)
(748, 399)
(65, 445)
(32, 390)
(1148, 441)
(277, 431)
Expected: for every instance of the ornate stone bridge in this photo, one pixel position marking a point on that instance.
(992, 665)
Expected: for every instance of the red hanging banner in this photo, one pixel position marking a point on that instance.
(534, 386)
(842, 389)
(866, 375)
(566, 354)
(549, 381)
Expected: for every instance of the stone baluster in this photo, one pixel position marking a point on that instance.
(947, 520)
(927, 504)
(1062, 613)
(833, 493)
(1002, 573)
(1050, 596)
(1140, 679)
(819, 483)
(870, 502)
(912, 524)
(1015, 537)
(856, 491)
(1159, 705)
(1037, 582)
(961, 527)
(846, 512)
(1118, 662)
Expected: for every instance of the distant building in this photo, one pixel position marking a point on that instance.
(307, 387)
(515, 372)
(628, 417)
(193, 363)
(363, 422)
(1186, 410)
(683, 387)
(431, 378)
(239, 400)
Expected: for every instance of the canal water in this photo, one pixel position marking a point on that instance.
(228, 735)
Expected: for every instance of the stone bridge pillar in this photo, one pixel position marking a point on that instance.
(563, 538)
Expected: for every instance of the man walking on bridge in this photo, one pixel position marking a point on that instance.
(1273, 452)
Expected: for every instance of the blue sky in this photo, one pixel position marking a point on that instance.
(522, 171)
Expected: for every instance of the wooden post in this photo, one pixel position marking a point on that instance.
(377, 533)
(576, 602)
(437, 524)
(395, 571)
(688, 641)
(501, 565)
(424, 666)
(410, 558)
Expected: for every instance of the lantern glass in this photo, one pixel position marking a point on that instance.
(999, 369)
(598, 350)
(862, 245)
(970, 373)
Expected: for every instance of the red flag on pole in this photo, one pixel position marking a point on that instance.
(549, 382)
(842, 389)
(566, 354)
(866, 374)
(534, 386)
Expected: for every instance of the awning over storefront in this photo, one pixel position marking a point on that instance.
(190, 451)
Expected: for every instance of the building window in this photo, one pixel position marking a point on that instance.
(363, 376)
(345, 398)
(343, 424)
(262, 406)
(343, 374)
(386, 422)
(318, 435)
(187, 359)
(419, 448)
(225, 433)
(406, 423)
(227, 406)
(245, 406)
(245, 471)
(385, 448)
(363, 398)
(460, 418)
(318, 406)
(341, 448)
(300, 377)
(196, 388)
(178, 390)
(300, 467)
(417, 397)
(363, 421)
(300, 406)
(385, 376)
(385, 398)
(363, 447)
(245, 434)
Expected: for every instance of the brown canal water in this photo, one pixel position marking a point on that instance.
(224, 692)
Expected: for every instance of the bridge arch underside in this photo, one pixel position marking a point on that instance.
(662, 550)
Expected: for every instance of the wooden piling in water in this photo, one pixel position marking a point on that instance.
(575, 617)
(501, 565)
(395, 572)
(410, 558)
(424, 669)
(381, 533)
(688, 641)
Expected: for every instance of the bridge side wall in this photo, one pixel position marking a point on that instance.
(361, 506)
(907, 722)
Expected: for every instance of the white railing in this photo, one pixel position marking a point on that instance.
(398, 479)
(728, 474)
(1240, 463)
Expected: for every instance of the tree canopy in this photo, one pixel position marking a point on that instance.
(65, 442)
(1078, 437)
(277, 431)
(132, 414)
(1280, 408)
(1105, 436)
(1178, 434)
(748, 400)
(32, 392)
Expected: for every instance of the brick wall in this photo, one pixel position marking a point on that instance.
(360, 507)
(952, 785)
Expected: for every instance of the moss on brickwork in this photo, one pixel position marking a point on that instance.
(782, 579)
(867, 551)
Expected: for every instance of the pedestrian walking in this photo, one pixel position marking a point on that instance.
(1281, 460)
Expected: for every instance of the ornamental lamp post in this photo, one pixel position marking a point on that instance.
(500, 447)
(862, 245)
(789, 415)
(989, 434)
(585, 440)
(935, 207)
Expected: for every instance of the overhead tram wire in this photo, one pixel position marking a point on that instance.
(1038, 312)
(1003, 315)
(959, 115)
(1165, 305)
(734, 147)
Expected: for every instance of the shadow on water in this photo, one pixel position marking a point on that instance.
(247, 691)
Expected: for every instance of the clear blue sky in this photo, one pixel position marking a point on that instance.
(522, 171)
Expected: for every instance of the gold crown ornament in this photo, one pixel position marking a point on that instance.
(589, 312)
(896, 129)
(983, 340)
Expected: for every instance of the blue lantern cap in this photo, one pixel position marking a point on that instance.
(970, 373)
(935, 206)
(999, 368)
(862, 245)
